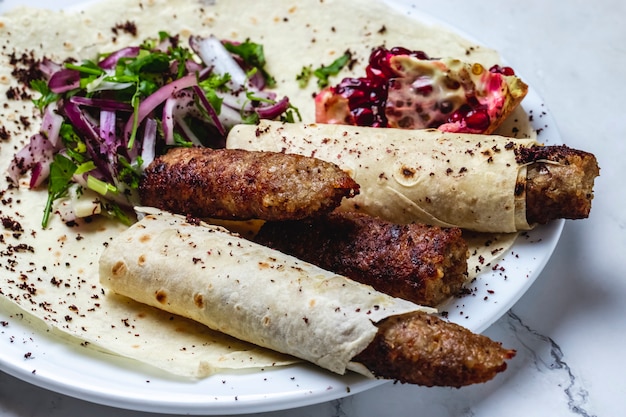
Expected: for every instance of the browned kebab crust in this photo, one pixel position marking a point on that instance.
(423, 264)
(419, 348)
(559, 182)
(239, 185)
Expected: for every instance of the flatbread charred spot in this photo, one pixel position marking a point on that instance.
(119, 269)
(198, 300)
(161, 296)
(142, 260)
(408, 172)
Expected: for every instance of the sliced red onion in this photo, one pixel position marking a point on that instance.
(219, 61)
(214, 55)
(80, 120)
(210, 110)
(111, 61)
(230, 117)
(49, 67)
(107, 129)
(39, 173)
(81, 179)
(148, 143)
(64, 80)
(104, 104)
(180, 103)
(187, 131)
(266, 95)
(166, 44)
(90, 133)
(51, 124)
(35, 157)
(273, 111)
(192, 66)
(152, 101)
(167, 121)
(258, 80)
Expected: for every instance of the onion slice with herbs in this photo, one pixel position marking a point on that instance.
(103, 121)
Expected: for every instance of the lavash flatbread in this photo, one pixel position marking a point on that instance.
(52, 274)
(424, 176)
(246, 290)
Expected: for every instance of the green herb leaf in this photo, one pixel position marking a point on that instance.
(87, 67)
(305, 75)
(99, 186)
(288, 117)
(135, 101)
(115, 211)
(180, 55)
(211, 85)
(61, 171)
(253, 55)
(75, 147)
(85, 167)
(130, 174)
(180, 141)
(47, 96)
(324, 72)
(154, 62)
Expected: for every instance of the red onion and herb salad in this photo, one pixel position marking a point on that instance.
(105, 120)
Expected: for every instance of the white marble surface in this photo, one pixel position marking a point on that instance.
(570, 327)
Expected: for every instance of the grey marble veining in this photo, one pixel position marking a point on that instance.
(548, 358)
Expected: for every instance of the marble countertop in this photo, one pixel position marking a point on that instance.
(569, 329)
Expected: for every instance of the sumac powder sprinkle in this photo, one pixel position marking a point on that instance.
(126, 27)
(11, 224)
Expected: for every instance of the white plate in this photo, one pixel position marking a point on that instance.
(40, 358)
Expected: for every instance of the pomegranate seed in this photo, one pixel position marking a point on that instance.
(460, 114)
(367, 97)
(477, 119)
(455, 117)
(502, 70)
(364, 117)
(423, 86)
(399, 50)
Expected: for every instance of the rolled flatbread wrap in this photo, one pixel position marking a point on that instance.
(256, 294)
(425, 176)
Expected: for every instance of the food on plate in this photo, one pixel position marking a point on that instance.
(50, 274)
(240, 185)
(409, 90)
(105, 121)
(475, 182)
(423, 264)
(559, 182)
(421, 348)
(260, 295)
